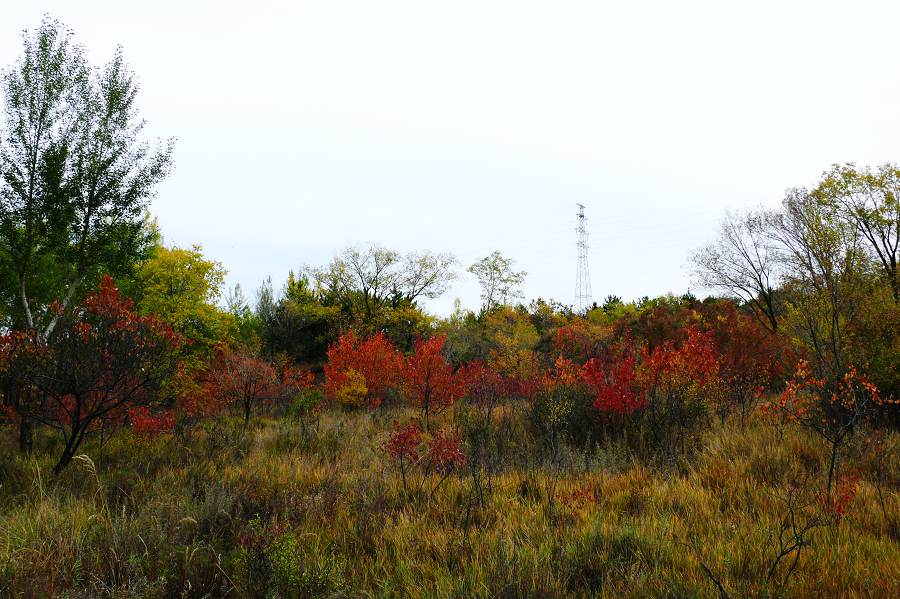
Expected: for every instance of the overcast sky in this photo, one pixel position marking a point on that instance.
(304, 127)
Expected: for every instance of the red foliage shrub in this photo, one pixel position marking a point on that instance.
(404, 442)
(617, 390)
(428, 378)
(145, 422)
(101, 360)
(672, 369)
(374, 360)
(441, 453)
(752, 359)
(669, 388)
(240, 377)
(836, 505)
(445, 451)
(482, 385)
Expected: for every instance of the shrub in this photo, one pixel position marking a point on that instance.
(243, 378)
(434, 457)
(562, 409)
(352, 391)
(305, 407)
(680, 384)
(831, 409)
(102, 361)
(752, 360)
(428, 378)
(370, 367)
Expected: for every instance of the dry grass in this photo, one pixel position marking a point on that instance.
(271, 512)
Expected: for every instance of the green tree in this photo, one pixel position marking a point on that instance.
(826, 277)
(75, 176)
(500, 284)
(248, 322)
(367, 281)
(75, 181)
(868, 199)
(183, 288)
(298, 323)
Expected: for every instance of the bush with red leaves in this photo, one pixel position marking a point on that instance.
(373, 363)
(145, 422)
(102, 360)
(429, 382)
(243, 378)
(615, 383)
(680, 383)
(434, 456)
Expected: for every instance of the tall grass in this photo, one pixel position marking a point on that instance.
(276, 511)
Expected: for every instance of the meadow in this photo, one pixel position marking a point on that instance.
(315, 509)
(164, 436)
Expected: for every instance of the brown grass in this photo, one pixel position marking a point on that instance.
(271, 512)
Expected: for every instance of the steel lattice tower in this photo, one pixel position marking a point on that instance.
(583, 299)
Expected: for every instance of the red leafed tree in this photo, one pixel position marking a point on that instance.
(242, 378)
(428, 378)
(403, 446)
(615, 382)
(445, 450)
(102, 362)
(483, 386)
(484, 389)
(368, 366)
(752, 359)
(680, 383)
(438, 455)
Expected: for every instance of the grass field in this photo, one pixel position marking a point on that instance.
(275, 510)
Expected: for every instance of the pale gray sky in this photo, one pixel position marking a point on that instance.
(304, 127)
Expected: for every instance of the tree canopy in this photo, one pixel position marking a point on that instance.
(75, 176)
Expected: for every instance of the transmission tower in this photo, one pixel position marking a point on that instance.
(583, 298)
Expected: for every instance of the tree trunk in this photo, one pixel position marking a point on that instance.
(26, 435)
(13, 398)
(835, 445)
(68, 453)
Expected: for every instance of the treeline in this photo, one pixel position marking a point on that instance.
(822, 270)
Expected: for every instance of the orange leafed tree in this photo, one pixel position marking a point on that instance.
(830, 409)
(428, 378)
(362, 370)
